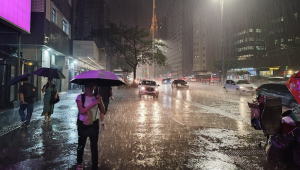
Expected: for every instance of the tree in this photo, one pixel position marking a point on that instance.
(228, 64)
(133, 45)
(121, 62)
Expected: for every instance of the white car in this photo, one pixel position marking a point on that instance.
(240, 86)
(148, 87)
(192, 79)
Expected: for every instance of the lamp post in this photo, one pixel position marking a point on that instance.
(222, 50)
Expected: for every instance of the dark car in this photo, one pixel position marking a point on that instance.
(179, 84)
(166, 81)
(278, 90)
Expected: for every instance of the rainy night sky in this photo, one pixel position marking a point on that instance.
(137, 12)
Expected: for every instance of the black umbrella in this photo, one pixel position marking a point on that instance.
(49, 72)
(17, 79)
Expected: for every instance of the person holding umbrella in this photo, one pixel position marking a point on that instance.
(48, 107)
(88, 117)
(27, 93)
(88, 123)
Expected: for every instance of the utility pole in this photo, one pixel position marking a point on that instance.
(222, 50)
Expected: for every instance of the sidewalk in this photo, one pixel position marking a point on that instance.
(41, 146)
(10, 118)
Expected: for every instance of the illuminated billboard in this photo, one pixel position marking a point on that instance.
(17, 13)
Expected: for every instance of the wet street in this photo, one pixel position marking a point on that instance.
(197, 128)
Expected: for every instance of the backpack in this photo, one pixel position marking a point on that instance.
(82, 100)
(30, 91)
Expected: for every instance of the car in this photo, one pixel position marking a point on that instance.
(192, 79)
(278, 90)
(277, 79)
(166, 81)
(148, 87)
(179, 84)
(240, 86)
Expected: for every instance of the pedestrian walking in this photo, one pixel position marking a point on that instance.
(105, 93)
(48, 107)
(89, 107)
(27, 93)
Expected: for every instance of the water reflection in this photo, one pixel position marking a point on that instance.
(142, 112)
(188, 95)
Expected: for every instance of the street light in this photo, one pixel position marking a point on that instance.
(222, 55)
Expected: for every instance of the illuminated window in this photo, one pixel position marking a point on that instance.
(250, 30)
(258, 30)
(66, 26)
(54, 12)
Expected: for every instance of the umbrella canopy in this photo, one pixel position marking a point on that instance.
(17, 79)
(101, 77)
(293, 84)
(49, 72)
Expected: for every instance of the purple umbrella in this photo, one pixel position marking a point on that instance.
(100, 77)
(17, 79)
(49, 72)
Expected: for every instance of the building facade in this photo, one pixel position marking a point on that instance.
(180, 39)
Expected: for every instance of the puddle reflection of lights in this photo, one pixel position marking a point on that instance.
(179, 95)
(142, 112)
(188, 95)
(241, 128)
(243, 107)
(178, 104)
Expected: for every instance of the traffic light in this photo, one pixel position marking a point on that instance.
(146, 71)
(286, 67)
(168, 72)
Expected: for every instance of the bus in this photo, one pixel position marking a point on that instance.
(208, 77)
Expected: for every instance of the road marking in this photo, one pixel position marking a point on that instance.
(176, 120)
(216, 110)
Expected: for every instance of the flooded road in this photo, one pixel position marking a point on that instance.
(197, 128)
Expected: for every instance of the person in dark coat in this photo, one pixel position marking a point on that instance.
(27, 93)
(105, 93)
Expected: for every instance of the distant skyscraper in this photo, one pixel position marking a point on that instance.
(90, 15)
(154, 26)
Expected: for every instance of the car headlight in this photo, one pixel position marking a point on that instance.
(156, 89)
(241, 87)
(143, 88)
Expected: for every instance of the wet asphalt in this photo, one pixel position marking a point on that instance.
(197, 128)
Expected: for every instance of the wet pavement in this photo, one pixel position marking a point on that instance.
(196, 128)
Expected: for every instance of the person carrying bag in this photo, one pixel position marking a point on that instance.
(88, 123)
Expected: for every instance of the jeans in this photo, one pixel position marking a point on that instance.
(29, 108)
(92, 132)
(106, 105)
